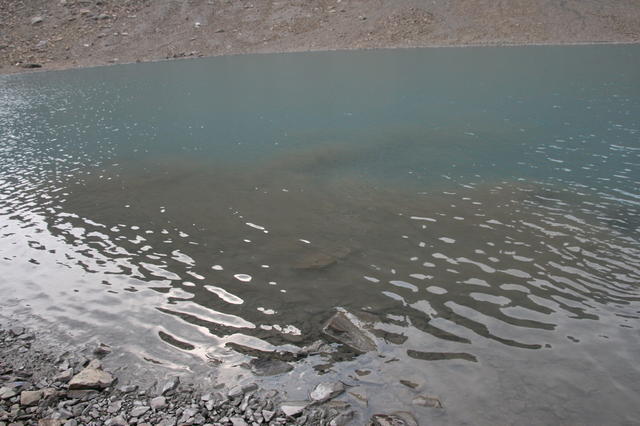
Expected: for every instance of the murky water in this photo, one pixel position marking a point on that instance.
(481, 205)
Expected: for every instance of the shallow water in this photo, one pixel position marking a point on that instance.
(482, 204)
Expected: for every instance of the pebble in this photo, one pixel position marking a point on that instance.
(158, 402)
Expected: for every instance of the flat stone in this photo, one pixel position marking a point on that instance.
(117, 421)
(269, 367)
(6, 392)
(342, 419)
(293, 408)
(50, 422)
(238, 421)
(29, 398)
(427, 401)
(348, 330)
(36, 20)
(128, 388)
(16, 331)
(114, 407)
(168, 421)
(187, 414)
(325, 391)
(399, 418)
(267, 415)
(64, 376)
(102, 350)
(92, 377)
(158, 402)
(139, 411)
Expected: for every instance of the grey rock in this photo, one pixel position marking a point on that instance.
(399, 418)
(348, 330)
(293, 408)
(325, 391)
(250, 387)
(103, 16)
(171, 385)
(427, 401)
(268, 415)
(167, 421)
(128, 388)
(158, 403)
(269, 367)
(235, 392)
(16, 331)
(71, 422)
(238, 421)
(64, 376)
(342, 419)
(139, 411)
(117, 421)
(92, 377)
(102, 350)
(187, 414)
(317, 347)
(50, 422)
(114, 407)
(29, 398)
(7, 392)
(36, 20)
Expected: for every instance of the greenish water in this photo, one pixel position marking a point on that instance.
(482, 203)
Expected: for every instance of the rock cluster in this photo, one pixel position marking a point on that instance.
(39, 388)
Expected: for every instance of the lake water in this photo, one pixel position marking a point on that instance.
(482, 205)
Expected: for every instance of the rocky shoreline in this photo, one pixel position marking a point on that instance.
(43, 385)
(65, 34)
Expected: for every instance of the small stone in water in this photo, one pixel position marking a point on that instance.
(326, 391)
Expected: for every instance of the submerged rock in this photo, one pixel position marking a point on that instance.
(170, 385)
(269, 367)
(399, 418)
(102, 350)
(427, 401)
(348, 330)
(320, 260)
(293, 408)
(92, 377)
(326, 391)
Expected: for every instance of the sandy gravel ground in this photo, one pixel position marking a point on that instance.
(58, 34)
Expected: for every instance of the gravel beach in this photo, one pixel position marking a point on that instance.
(63, 34)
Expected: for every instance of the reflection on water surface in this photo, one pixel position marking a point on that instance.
(208, 213)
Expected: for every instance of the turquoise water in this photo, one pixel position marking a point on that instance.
(481, 203)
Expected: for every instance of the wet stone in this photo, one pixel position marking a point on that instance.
(92, 377)
(427, 401)
(345, 328)
(170, 385)
(325, 391)
(293, 408)
(269, 367)
(398, 418)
